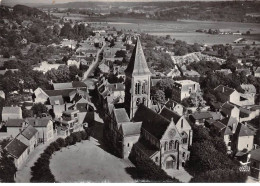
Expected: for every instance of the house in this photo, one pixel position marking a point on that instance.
(199, 118)
(45, 67)
(243, 138)
(44, 126)
(72, 62)
(104, 68)
(14, 127)
(17, 150)
(230, 110)
(224, 71)
(184, 88)
(173, 73)
(69, 85)
(191, 73)
(2, 94)
(11, 113)
(228, 94)
(175, 106)
(29, 136)
(255, 163)
(257, 72)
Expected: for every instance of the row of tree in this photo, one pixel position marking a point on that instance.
(41, 172)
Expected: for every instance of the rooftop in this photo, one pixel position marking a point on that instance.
(16, 148)
(29, 132)
(121, 115)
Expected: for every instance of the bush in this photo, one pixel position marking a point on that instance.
(61, 142)
(222, 175)
(84, 135)
(55, 145)
(69, 140)
(76, 137)
(50, 150)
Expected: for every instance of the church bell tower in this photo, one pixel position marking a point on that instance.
(137, 84)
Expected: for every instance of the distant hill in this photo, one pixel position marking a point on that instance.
(32, 3)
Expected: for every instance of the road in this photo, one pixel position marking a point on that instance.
(94, 65)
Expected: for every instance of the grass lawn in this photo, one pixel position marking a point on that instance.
(86, 162)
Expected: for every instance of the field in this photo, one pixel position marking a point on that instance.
(181, 29)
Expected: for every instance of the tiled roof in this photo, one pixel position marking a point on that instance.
(243, 130)
(121, 115)
(219, 125)
(201, 115)
(61, 86)
(16, 148)
(131, 128)
(63, 93)
(168, 114)
(56, 100)
(14, 123)
(29, 132)
(255, 154)
(146, 148)
(38, 122)
(78, 84)
(154, 123)
(137, 64)
(224, 90)
(11, 110)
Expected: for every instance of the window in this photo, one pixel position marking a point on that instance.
(156, 159)
(128, 145)
(183, 154)
(184, 140)
(166, 146)
(176, 144)
(171, 145)
(182, 123)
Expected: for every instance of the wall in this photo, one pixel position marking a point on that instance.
(13, 131)
(128, 142)
(243, 141)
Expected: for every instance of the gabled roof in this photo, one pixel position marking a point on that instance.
(63, 93)
(248, 88)
(224, 90)
(61, 86)
(38, 122)
(219, 125)
(137, 65)
(11, 110)
(243, 130)
(29, 132)
(56, 100)
(154, 123)
(16, 148)
(168, 114)
(14, 123)
(201, 115)
(255, 154)
(131, 128)
(121, 115)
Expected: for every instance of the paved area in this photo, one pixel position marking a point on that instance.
(23, 175)
(181, 174)
(252, 180)
(87, 162)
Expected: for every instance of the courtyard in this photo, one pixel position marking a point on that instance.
(87, 162)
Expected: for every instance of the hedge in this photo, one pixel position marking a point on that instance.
(41, 169)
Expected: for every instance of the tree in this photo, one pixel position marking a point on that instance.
(158, 96)
(38, 109)
(7, 168)
(166, 86)
(120, 53)
(56, 30)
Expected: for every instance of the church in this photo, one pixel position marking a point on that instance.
(159, 134)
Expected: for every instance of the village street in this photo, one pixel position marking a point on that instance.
(24, 174)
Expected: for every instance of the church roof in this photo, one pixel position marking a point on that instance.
(153, 122)
(168, 114)
(137, 64)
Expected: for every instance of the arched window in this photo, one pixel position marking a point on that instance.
(176, 144)
(182, 123)
(144, 88)
(144, 100)
(171, 145)
(184, 137)
(136, 88)
(156, 159)
(183, 154)
(139, 87)
(166, 146)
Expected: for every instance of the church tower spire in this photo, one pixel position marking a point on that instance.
(137, 84)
